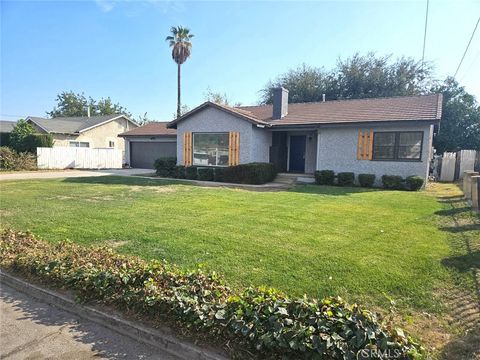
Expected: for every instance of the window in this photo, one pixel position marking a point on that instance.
(111, 144)
(79, 144)
(210, 149)
(397, 146)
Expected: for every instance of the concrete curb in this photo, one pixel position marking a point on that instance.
(160, 339)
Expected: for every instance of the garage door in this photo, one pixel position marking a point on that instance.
(144, 154)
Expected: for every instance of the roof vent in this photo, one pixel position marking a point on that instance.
(280, 103)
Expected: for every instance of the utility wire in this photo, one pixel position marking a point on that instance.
(425, 34)
(468, 45)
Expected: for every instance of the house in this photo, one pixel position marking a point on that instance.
(379, 136)
(83, 131)
(6, 126)
(145, 144)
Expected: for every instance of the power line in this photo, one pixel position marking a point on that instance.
(425, 33)
(468, 45)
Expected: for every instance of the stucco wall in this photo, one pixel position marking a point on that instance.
(338, 151)
(253, 141)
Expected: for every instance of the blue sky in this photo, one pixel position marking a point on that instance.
(117, 49)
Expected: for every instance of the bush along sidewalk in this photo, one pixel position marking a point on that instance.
(263, 320)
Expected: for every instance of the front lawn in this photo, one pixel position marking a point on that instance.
(364, 245)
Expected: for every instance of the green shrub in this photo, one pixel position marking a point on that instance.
(393, 182)
(11, 160)
(218, 173)
(252, 173)
(346, 179)
(205, 174)
(324, 177)
(191, 172)
(180, 172)
(166, 167)
(260, 320)
(414, 183)
(5, 139)
(366, 180)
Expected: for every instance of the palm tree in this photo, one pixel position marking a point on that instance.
(181, 48)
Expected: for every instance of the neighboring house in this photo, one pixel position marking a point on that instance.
(94, 132)
(6, 126)
(145, 144)
(380, 136)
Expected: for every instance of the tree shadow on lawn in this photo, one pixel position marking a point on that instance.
(464, 307)
(331, 190)
(123, 180)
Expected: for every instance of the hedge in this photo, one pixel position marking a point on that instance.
(11, 160)
(191, 172)
(180, 172)
(414, 183)
(346, 179)
(393, 182)
(205, 174)
(324, 177)
(31, 142)
(264, 321)
(166, 167)
(252, 173)
(366, 180)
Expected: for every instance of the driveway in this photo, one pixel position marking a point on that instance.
(71, 173)
(30, 329)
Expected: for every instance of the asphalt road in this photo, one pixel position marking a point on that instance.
(30, 329)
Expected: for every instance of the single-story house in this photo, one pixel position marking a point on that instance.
(7, 126)
(83, 131)
(379, 136)
(145, 144)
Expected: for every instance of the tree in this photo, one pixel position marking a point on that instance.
(183, 110)
(354, 78)
(181, 46)
(76, 104)
(20, 133)
(460, 124)
(218, 98)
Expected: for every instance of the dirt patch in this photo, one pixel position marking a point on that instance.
(156, 189)
(114, 243)
(96, 199)
(60, 197)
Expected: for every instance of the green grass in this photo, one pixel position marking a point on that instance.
(364, 245)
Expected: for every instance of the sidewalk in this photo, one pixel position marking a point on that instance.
(31, 329)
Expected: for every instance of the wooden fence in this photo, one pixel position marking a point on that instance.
(78, 158)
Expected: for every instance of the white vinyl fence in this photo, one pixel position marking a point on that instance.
(78, 158)
(448, 166)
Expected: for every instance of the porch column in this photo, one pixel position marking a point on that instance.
(317, 167)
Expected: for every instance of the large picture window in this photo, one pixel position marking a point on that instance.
(398, 145)
(210, 149)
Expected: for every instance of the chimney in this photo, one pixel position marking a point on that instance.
(323, 97)
(88, 111)
(280, 103)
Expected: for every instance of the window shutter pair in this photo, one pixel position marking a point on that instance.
(365, 145)
(233, 148)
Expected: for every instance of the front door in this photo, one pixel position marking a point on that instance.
(297, 153)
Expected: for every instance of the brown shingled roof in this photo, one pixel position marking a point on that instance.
(404, 108)
(151, 129)
(423, 107)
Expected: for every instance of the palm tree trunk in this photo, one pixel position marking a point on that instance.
(178, 93)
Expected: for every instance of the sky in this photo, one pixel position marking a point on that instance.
(118, 49)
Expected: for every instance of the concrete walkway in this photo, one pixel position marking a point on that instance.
(30, 329)
(54, 174)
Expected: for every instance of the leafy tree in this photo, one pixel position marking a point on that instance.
(218, 98)
(76, 104)
(20, 133)
(354, 78)
(460, 124)
(181, 46)
(183, 110)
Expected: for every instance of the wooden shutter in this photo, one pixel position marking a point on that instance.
(365, 145)
(233, 148)
(187, 149)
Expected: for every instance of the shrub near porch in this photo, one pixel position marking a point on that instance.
(361, 244)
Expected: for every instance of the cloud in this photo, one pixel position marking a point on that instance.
(105, 5)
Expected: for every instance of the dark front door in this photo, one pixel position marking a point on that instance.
(297, 153)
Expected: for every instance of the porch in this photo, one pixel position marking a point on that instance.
(294, 151)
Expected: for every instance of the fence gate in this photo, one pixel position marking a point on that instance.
(78, 158)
